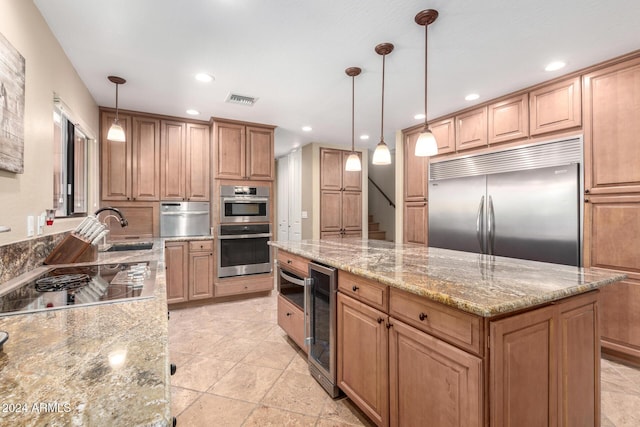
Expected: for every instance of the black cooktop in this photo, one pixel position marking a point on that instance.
(79, 285)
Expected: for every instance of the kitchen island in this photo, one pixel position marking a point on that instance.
(428, 336)
(105, 364)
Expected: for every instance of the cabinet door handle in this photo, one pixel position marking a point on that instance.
(355, 288)
(586, 190)
(422, 316)
(380, 320)
(389, 325)
(288, 261)
(288, 314)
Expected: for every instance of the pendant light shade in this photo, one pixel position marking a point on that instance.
(353, 161)
(116, 132)
(382, 156)
(426, 144)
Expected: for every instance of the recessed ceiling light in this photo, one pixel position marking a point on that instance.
(307, 128)
(471, 97)
(419, 116)
(364, 137)
(204, 77)
(553, 66)
(193, 112)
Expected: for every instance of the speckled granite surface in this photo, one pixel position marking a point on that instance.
(479, 284)
(102, 365)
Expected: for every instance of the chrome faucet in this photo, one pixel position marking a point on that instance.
(123, 220)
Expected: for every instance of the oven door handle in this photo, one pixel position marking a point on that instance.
(308, 339)
(247, 200)
(292, 279)
(245, 236)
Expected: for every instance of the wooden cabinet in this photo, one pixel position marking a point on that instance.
(620, 319)
(471, 129)
(176, 258)
(291, 320)
(431, 382)
(243, 151)
(131, 169)
(555, 107)
(189, 268)
(539, 374)
(444, 131)
(185, 161)
(416, 216)
(200, 269)
(340, 196)
(243, 285)
(509, 119)
(143, 219)
(611, 128)
(415, 170)
(363, 346)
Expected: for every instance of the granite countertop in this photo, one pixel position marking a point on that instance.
(479, 284)
(104, 364)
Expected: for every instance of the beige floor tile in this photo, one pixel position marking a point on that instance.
(232, 348)
(215, 411)
(265, 416)
(178, 358)
(621, 409)
(271, 355)
(344, 411)
(200, 373)
(297, 393)
(299, 364)
(181, 399)
(253, 330)
(194, 342)
(326, 422)
(246, 382)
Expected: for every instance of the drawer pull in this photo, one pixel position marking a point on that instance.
(355, 288)
(288, 314)
(422, 316)
(288, 261)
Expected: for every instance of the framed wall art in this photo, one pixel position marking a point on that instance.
(12, 78)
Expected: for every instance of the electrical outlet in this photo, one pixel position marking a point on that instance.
(305, 214)
(30, 226)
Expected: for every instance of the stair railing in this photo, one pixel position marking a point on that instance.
(382, 192)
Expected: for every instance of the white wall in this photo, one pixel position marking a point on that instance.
(48, 70)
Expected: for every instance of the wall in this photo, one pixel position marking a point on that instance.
(379, 207)
(48, 70)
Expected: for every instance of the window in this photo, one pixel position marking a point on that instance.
(69, 167)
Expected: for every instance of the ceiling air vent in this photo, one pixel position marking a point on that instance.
(234, 98)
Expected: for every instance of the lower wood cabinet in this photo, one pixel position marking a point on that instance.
(416, 217)
(189, 268)
(451, 368)
(291, 320)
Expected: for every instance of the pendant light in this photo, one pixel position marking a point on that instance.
(353, 161)
(426, 144)
(382, 156)
(116, 133)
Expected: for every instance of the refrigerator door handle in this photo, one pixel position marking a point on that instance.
(479, 224)
(308, 282)
(491, 227)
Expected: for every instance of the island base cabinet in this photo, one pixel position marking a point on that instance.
(363, 357)
(432, 383)
(291, 320)
(540, 374)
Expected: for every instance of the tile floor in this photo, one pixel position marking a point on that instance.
(236, 367)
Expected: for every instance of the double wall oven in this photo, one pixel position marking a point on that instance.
(244, 231)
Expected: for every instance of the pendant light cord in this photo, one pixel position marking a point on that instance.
(426, 48)
(382, 109)
(117, 102)
(353, 113)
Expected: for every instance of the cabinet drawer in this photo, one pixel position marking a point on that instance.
(201, 245)
(243, 285)
(456, 327)
(367, 291)
(294, 263)
(291, 320)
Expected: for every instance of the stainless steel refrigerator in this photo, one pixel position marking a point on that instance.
(528, 212)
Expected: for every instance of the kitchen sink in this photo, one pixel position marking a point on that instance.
(130, 246)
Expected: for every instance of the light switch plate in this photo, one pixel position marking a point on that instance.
(305, 214)
(30, 226)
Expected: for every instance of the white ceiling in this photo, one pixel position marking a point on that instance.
(292, 54)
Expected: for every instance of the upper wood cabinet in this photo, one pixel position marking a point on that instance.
(131, 170)
(243, 151)
(471, 129)
(509, 119)
(415, 170)
(333, 175)
(611, 128)
(555, 107)
(185, 159)
(444, 131)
